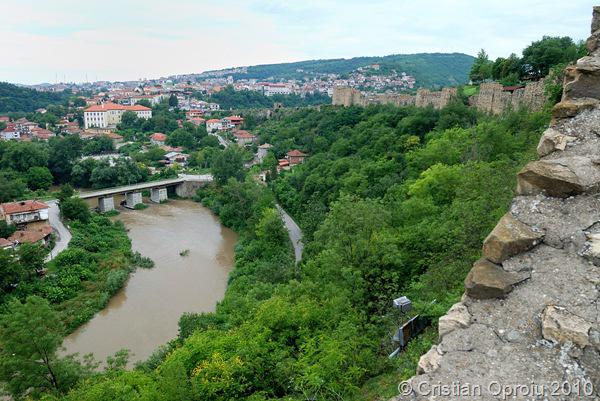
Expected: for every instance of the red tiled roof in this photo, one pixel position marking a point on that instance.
(31, 236)
(23, 206)
(4, 243)
(234, 118)
(112, 135)
(157, 136)
(138, 107)
(296, 153)
(243, 134)
(114, 106)
(214, 120)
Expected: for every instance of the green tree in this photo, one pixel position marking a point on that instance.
(6, 230)
(543, 54)
(31, 257)
(75, 209)
(63, 153)
(11, 186)
(181, 137)
(21, 156)
(39, 178)
(173, 101)
(482, 67)
(66, 191)
(228, 164)
(129, 120)
(31, 334)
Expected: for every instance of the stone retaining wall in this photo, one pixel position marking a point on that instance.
(528, 325)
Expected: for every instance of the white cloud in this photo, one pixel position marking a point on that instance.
(136, 39)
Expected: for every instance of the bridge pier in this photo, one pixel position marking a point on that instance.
(106, 204)
(132, 199)
(158, 195)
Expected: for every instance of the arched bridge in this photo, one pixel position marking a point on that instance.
(185, 186)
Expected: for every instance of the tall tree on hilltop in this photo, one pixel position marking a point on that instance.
(482, 67)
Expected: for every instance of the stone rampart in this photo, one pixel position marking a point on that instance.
(528, 324)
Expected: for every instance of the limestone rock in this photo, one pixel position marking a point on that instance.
(561, 326)
(457, 317)
(510, 237)
(552, 140)
(559, 178)
(488, 280)
(593, 43)
(430, 361)
(591, 248)
(582, 80)
(569, 107)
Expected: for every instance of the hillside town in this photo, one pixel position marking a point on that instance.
(187, 87)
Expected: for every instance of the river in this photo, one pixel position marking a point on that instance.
(144, 314)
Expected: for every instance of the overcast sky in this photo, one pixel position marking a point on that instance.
(127, 40)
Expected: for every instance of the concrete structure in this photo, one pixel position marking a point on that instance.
(158, 195)
(108, 115)
(185, 186)
(106, 204)
(132, 199)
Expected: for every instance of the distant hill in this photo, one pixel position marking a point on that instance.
(429, 69)
(16, 98)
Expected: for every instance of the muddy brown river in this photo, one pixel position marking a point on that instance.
(144, 314)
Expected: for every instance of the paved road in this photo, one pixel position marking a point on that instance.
(62, 233)
(294, 232)
(222, 140)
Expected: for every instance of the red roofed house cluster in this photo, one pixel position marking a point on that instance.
(108, 115)
(293, 158)
(244, 138)
(31, 219)
(24, 130)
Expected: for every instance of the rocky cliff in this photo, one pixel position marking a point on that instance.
(528, 325)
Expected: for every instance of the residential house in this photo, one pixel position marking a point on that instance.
(295, 157)
(158, 138)
(283, 164)
(232, 122)
(108, 115)
(197, 121)
(39, 235)
(213, 125)
(176, 157)
(190, 114)
(244, 138)
(28, 212)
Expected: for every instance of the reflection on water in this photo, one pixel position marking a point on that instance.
(144, 314)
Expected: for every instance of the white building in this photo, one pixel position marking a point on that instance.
(108, 115)
(214, 125)
(276, 89)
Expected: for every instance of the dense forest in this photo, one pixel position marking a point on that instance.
(17, 98)
(433, 70)
(229, 98)
(393, 201)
